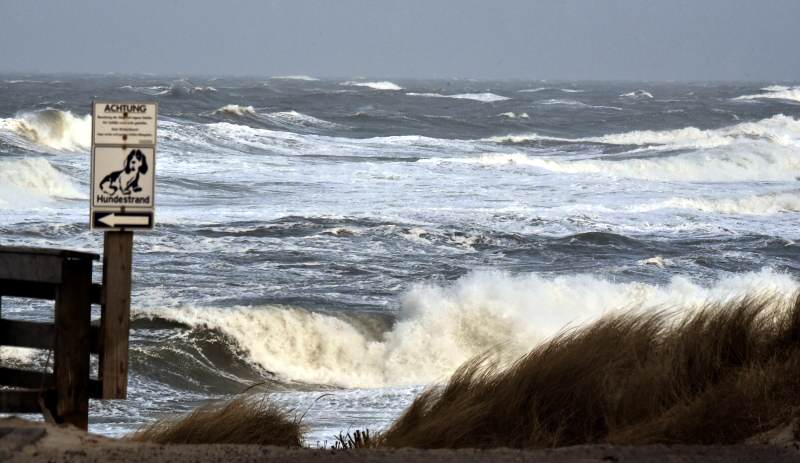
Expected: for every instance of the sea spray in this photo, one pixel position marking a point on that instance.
(440, 326)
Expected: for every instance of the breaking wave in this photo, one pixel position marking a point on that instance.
(576, 104)
(297, 77)
(482, 97)
(439, 327)
(765, 204)
(513, 115)
(236, 110)
(51, 128)
(637, 95)
(383, 85)
(32, 178)
(775, 92)
(779, 129)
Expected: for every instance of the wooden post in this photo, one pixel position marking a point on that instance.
(116, 310)
(71, 350)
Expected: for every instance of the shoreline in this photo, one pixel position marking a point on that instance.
(38, 442)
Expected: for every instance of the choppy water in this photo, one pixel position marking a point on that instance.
(362, 239)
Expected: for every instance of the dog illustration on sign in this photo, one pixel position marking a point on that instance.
(126, 181)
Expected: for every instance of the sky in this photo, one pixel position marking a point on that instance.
(493, 39)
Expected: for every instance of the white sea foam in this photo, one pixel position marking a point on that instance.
(779, 129)
(51, 128)
(535, 90)
(34, 180)
(296, 119)
(383, 85)
(439, 327)
(296, 77)
(775, 92)
(512, 115)
(637, 94)
(765, 204)
(236, 110)
(575, 103)
(482, 97)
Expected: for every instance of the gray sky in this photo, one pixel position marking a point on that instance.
(533, 39)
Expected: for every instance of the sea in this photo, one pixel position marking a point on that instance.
(341, 245)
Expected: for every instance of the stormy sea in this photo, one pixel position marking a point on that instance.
(345, 243)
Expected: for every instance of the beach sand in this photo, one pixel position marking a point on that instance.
(25, 441)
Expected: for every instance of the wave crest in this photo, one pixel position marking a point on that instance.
(775, 92)
(382, 85)
(33, 178)
(236, 110)
(439, 327)
(482, 97)
(52, 128)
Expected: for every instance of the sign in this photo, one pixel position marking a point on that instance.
(123, 165)
(101, 219)
(124, 123)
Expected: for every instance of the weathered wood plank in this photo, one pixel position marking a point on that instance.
(49, 252)
(71, 352)
(26, 379)
(30, 289)
(37, 335)
(19, 401)
(21, 333)
(117, 263)
(30, 267)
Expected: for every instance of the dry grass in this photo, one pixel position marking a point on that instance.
(719, 375)
(243, 420)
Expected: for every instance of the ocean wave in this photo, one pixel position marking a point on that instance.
(513, 115)
(775, 92)
(285, 119)
(296, 77)
(177, 88)
(383, 85)
(439, 327)
(482, 97)
(779, 129)
(293, 144)
(291, 119)
(765, 204)
(236, 110)
(535, 90)
(750, 163)
(765, 164)
(32, 179)
(51, 128)
(542, 89)
(637, 94)
(575, 103)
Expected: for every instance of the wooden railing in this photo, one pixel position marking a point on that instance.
(65, 277)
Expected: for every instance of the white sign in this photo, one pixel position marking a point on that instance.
(123, 165)
(124, 124)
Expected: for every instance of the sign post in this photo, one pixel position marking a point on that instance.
(122, 199)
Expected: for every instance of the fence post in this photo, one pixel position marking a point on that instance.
(116, 309)
(71, 349)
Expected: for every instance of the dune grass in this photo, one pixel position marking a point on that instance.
(242, 420)
(716, 376)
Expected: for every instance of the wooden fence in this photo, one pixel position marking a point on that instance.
(65, 277)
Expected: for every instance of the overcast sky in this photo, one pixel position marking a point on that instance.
(528, 39)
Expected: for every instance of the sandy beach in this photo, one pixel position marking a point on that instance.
(38, 442)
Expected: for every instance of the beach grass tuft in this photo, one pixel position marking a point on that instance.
(242, 420)
(715, 375)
